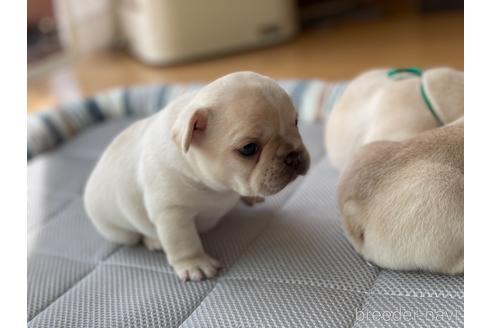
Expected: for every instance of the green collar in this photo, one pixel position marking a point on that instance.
(399, 73)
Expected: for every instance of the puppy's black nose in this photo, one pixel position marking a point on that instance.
(293, 159)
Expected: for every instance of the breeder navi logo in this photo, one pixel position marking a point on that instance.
(406, 315)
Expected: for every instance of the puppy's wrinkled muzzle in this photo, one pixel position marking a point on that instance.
(282, 170)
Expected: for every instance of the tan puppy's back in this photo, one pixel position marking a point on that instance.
(402, 202)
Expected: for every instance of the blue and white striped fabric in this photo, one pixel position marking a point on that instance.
(48, 129)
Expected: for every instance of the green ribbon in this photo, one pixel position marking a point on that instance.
(399, 73)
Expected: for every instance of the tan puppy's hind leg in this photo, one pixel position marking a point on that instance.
(458, 268)
(351, 219)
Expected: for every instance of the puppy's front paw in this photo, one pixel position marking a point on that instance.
(196, 268)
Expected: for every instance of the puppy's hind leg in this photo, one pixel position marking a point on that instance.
(458, 267)
(116, 234)
(351, 217)
(152, 244)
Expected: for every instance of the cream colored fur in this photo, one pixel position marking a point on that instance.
(402, 202)
(170, 176)
(375, 107)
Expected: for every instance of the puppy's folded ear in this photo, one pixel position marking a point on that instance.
(444, 87)
(190, 125)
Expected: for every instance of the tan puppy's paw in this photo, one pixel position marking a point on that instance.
(152, 244)
(251, 201)
(197, 268)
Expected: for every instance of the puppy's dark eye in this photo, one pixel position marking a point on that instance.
(249, 149)
(295, 122)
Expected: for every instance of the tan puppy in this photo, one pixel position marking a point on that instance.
(376, 106)
(175, 174)
(402, 202)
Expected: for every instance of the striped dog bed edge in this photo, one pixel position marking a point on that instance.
(50, 128)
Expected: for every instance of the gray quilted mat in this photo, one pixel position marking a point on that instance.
(286, 261)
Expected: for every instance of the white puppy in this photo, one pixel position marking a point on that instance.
(170, 176)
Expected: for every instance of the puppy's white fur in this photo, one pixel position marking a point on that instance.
(402, 202)
(376, 107)
(170, 176)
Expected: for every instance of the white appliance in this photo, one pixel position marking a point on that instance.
(168, 31)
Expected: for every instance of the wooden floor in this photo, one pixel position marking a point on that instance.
(330, 53)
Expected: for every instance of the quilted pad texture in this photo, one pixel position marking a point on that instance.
(286, 261)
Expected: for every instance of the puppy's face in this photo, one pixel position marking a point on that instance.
(244, 136)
